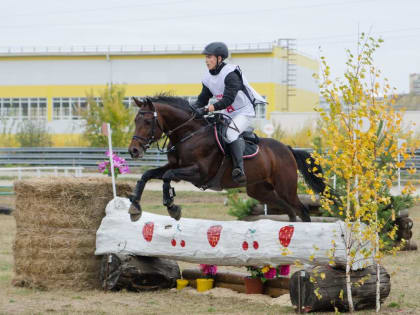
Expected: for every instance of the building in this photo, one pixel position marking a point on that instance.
(50, 84)
(415, 83)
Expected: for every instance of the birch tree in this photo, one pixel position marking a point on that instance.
(359, 130)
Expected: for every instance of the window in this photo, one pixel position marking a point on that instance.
(68, 107)
(24, 108)
(261, 111)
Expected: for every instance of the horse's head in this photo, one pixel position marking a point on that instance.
(147, 128)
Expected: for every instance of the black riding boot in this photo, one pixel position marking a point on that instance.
(236, 150)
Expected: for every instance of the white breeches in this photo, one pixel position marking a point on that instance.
(239, 124)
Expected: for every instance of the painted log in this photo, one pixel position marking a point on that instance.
(324, 294)
(230, 243)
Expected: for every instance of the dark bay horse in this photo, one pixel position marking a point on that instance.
(194, 156)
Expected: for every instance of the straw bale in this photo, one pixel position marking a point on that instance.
(56, 221)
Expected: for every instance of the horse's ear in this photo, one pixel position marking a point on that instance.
(139, 103)
(149, 102)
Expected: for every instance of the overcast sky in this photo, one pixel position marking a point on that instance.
(331, 24)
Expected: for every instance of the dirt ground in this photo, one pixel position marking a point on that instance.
(404, 297)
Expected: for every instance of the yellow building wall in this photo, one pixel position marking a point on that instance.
(304, 100)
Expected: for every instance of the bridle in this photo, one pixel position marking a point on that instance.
(145, 143)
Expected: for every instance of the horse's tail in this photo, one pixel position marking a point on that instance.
(311, 178)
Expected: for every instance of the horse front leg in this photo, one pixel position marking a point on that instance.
(135, 208)
(189, 174)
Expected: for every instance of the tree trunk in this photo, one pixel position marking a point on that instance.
(364, 296)
(138, 273)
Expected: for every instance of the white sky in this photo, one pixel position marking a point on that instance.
(331, 24)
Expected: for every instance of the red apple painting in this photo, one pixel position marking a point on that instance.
(213, 234)
(285, 235)
(255, 245)
(245, 245)
(148, 231)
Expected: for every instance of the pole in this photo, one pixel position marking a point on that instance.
(111, 160)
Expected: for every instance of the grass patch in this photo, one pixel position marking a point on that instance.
(5, 277)
(5, 266)
(394, 305)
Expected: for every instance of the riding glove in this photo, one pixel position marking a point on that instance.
(200, 112)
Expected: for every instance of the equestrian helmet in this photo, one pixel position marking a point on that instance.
(217, 49)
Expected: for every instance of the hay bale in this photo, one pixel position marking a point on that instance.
(56, 224)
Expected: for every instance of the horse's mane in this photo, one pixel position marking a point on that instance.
(175, 101)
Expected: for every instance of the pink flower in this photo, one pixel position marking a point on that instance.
(284, 270)
(271, 273)
(208, 270)
(124, 169)
(102, 166)
(120, 165)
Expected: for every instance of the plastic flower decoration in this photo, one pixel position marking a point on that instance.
(120, 165)
(209, 271)
(284, 270)
(264, 273)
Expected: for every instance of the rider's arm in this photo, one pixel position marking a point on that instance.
(233, 84)
(204, 97)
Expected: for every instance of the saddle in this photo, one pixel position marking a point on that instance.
(251, 140)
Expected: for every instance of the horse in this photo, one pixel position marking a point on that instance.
(194, 156)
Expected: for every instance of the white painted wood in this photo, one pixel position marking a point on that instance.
(188, 239)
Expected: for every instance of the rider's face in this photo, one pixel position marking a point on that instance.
(211, 61)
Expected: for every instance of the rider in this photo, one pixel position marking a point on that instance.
(235, 97)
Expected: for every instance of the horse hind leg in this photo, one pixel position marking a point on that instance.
(298, 207)
(266, 194)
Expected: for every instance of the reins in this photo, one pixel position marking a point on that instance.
(151, 138)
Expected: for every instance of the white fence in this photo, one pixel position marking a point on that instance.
(78, 170)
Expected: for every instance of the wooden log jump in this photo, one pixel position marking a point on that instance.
(229, 243)
(322, 293)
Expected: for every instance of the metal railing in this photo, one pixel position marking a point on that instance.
(6, 190)
(91, 157)
(130, 49)
(73, 157)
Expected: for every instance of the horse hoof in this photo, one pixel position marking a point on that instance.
(175, 212)
(135, 217)
(135, 212)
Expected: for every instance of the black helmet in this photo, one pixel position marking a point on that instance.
(217, 49)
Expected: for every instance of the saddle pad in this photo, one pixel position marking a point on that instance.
(251, 149)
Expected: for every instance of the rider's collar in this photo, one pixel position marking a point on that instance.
(217, 69)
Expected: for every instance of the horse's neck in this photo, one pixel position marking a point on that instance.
(176, 120)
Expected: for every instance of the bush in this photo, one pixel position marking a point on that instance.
(110, 109)
(239, 207)
(33, 133)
